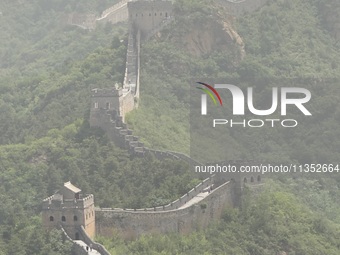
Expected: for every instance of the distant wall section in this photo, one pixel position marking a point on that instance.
(117, 13)
(146, 15)
(241, 7)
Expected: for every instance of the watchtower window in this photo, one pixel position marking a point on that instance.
(252, 179)
(166, 14)
(96, 105)
(107, 105)
(51, 218)
(63, 218)
(75, 218)
(245, 180)
(258, 178)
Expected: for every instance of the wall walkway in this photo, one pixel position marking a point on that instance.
(195, 209)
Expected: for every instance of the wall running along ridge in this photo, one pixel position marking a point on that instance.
(201, 205)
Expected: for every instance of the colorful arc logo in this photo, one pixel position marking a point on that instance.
(209, 90)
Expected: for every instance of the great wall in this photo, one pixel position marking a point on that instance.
(75, 213)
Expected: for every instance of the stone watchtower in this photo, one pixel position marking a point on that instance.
(242, 178)
(70, 209)
(102, 102)
(148, 15)
(113, 101)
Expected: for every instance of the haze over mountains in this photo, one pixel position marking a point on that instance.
(48, 68)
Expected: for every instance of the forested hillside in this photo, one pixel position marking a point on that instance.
(47, 69)
(285, 44)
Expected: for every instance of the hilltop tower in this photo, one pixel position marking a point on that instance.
(148, 15)
(104, 101)
(70, 209)
(242, 178)
(113, 101)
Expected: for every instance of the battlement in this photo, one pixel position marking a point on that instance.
(84, 21)
(57, 201)
(174, 205)
(70, 208)
(196, 209)
(108, 92)
(196, 213)
(147, 15)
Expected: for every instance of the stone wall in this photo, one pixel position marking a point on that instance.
(127, 104)
(82, 20)
(146, 15)
(119, 133)
(241, 7)
(119, 101)
(176, 217)
(76, 248)
(70, 213)
(199, 188)
(117, 13)
(131, 61)
(131, 224)
(147, 18)
(137, 89)
(97, 246)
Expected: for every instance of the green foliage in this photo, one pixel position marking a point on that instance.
(285, 46)
(30, 173)
(28, 237)
(46, 76)
(269, 224)
(47, 70)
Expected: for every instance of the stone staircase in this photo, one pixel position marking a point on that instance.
(123, 136)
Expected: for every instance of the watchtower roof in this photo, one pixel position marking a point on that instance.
(107, 92)
(71, 187)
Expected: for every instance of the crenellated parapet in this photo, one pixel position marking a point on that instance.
(147, 15)
(201, 210)
(69, 208)
(116, 13)
(58, 201)
(106, 92)
(194, 210)
(202, 187)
